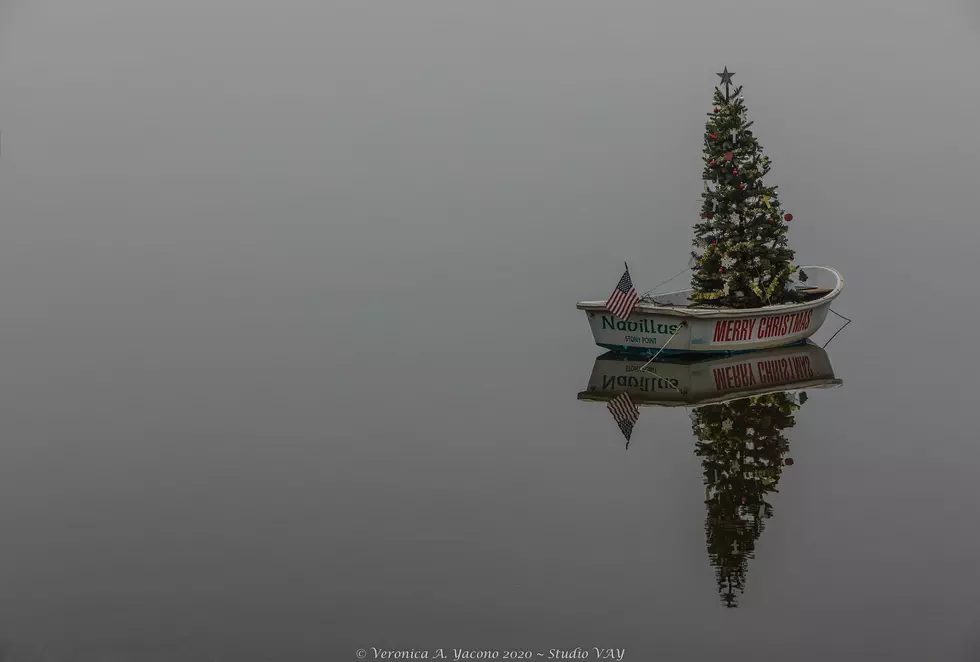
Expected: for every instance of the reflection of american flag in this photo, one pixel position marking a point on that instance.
(625, 413)
(623, 298)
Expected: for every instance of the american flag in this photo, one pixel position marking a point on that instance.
(623, 298)
(625, 413)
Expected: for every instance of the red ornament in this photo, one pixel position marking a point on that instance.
(788, 217)
(716, 109)
(713, 135)
(729, 156)
(742, 185)
(712, 162)
(714, 243)
(734, 172)
(721, 269)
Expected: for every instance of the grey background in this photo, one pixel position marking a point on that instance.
(290, 349)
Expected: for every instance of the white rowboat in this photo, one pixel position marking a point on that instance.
(667, 324)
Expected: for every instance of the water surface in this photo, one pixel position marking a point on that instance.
(292, 361)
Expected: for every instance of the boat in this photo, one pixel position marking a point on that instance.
(668, 324)
(694, 381)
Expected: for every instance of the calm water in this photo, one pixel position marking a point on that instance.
(291, 360)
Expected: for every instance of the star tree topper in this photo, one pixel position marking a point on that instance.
(726, 80)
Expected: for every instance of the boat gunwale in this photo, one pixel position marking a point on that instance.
(647, 308)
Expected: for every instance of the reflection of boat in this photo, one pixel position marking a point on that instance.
(742, 407)
(699, 380)
(669, 324)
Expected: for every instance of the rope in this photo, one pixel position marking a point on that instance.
(659, 376)
(848, 321)
(648, 292)
(679, 327)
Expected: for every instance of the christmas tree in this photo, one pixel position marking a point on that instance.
(743, 257)
(742, 447)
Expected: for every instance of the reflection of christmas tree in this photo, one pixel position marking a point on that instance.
(743, 447)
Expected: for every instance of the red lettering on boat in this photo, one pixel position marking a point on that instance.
(720, 331)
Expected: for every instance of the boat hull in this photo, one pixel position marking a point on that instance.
(678, 329)
(648, 334)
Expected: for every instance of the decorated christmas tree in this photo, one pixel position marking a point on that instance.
(742, 254)
(742, 447)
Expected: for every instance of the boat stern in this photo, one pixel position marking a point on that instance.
(642, 333)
